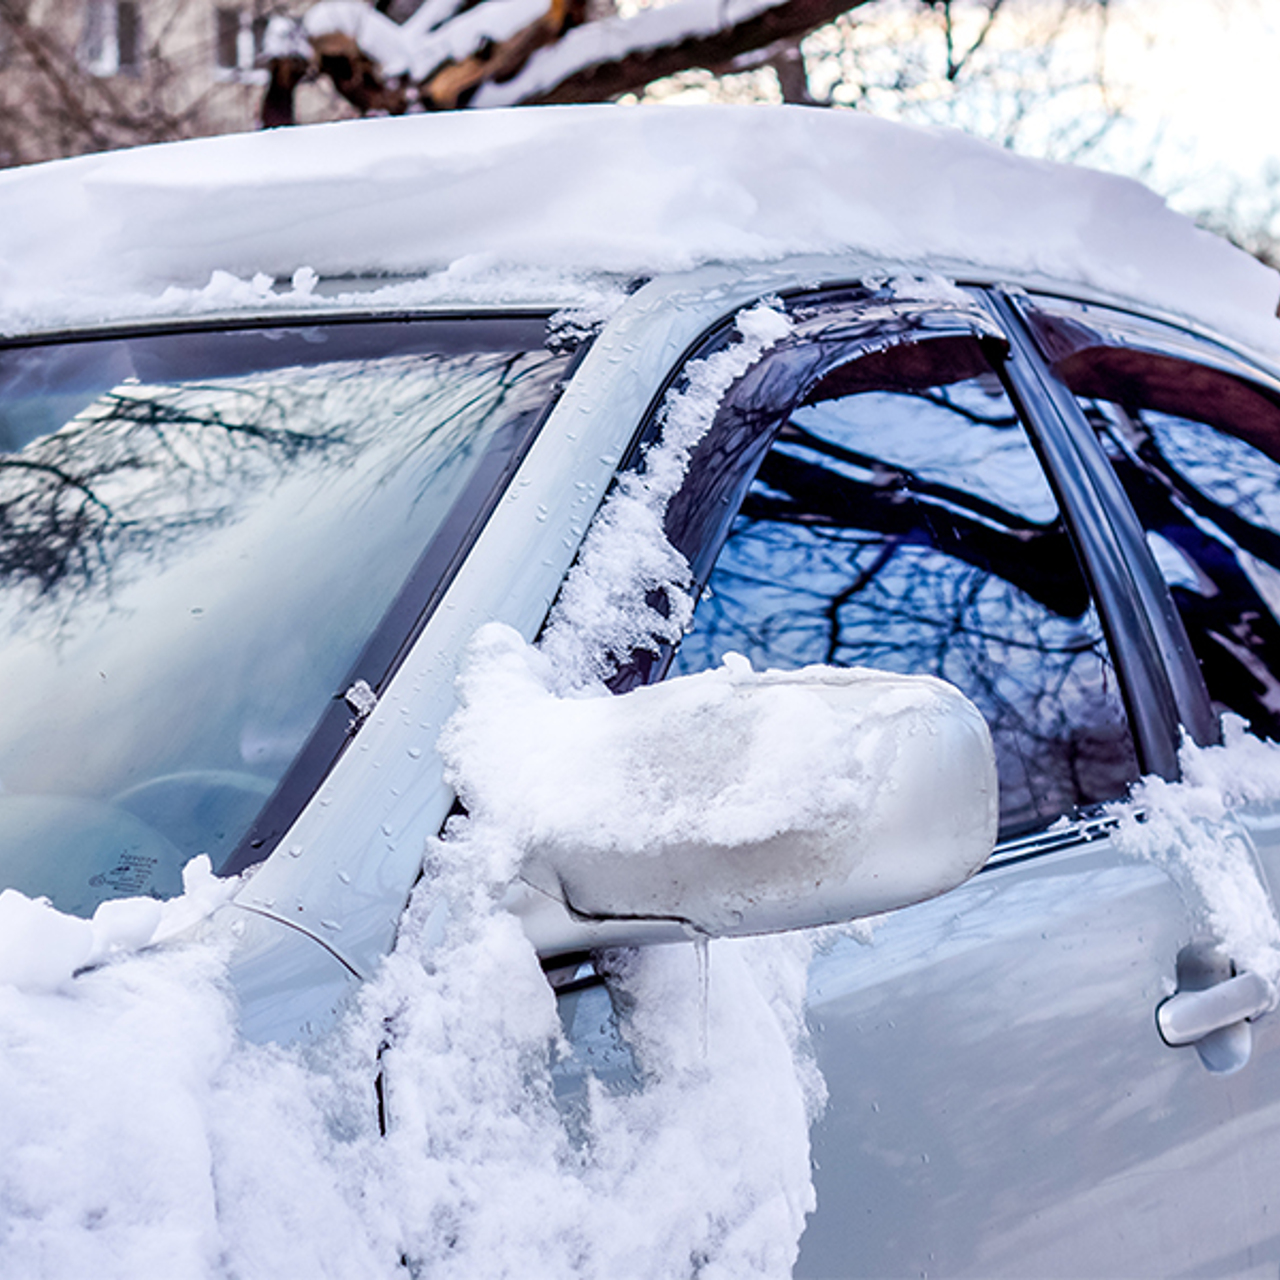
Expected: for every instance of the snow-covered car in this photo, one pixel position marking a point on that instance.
(543, 542)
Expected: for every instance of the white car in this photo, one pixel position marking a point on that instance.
(717, 410)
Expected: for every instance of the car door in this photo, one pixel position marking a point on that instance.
(896, 486)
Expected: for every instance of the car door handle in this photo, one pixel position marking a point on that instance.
(1189, 1016)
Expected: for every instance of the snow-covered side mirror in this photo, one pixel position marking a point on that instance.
(734, 802)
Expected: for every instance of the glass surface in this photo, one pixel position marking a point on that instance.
(198, 535)
(909, 527)
(1210, 504)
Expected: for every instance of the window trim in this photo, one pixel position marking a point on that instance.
(1156, 653)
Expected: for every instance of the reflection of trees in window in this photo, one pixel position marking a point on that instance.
(144, 468)
(1210, 503)
(913, 531)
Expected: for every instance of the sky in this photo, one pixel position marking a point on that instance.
(1201, 74)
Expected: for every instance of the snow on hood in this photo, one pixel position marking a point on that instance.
(567, 191)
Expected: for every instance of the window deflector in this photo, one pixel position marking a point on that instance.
(1062, 328)
(832, 330)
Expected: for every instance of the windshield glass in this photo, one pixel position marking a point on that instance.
(200, 535)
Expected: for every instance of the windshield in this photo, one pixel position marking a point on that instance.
(205, 538)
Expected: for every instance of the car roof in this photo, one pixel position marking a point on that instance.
(561, 206)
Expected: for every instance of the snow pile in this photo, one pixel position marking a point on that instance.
(143, 1137)
(40, 948)
(615, 37)
(739, 802)
(491, 196)
(704, 1171)
(723, 758)
(1188, 829)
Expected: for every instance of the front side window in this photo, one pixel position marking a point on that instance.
(900, 520)
(1197, 450)
(200, 536)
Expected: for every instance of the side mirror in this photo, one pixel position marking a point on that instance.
(733, 802)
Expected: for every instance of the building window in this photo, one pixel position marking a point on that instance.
(237, 44)
(112, 38)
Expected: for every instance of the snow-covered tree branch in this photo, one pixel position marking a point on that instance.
(1025, 73)
(505, 52)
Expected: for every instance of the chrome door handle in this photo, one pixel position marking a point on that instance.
(1212, 1007)
(1191, 1015)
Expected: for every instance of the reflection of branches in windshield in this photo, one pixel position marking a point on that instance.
(144, 467)
(510, 385)
(136, 469)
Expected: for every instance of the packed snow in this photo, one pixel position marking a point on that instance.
(735, 801)
(41, 949)
(142, 1137)
(605, 607)
(543, 203)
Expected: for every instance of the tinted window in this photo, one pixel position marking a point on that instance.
(199, 536)
(1198, 453)
(901, 520)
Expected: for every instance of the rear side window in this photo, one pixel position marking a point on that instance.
(901, 520)
(1197, 450)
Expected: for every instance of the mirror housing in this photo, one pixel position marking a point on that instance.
(758, 802)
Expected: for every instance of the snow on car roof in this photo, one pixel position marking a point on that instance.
(513, 202)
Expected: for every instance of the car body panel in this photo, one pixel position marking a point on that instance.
(1033, 1123)
(359, 846)
(1032, 1118)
